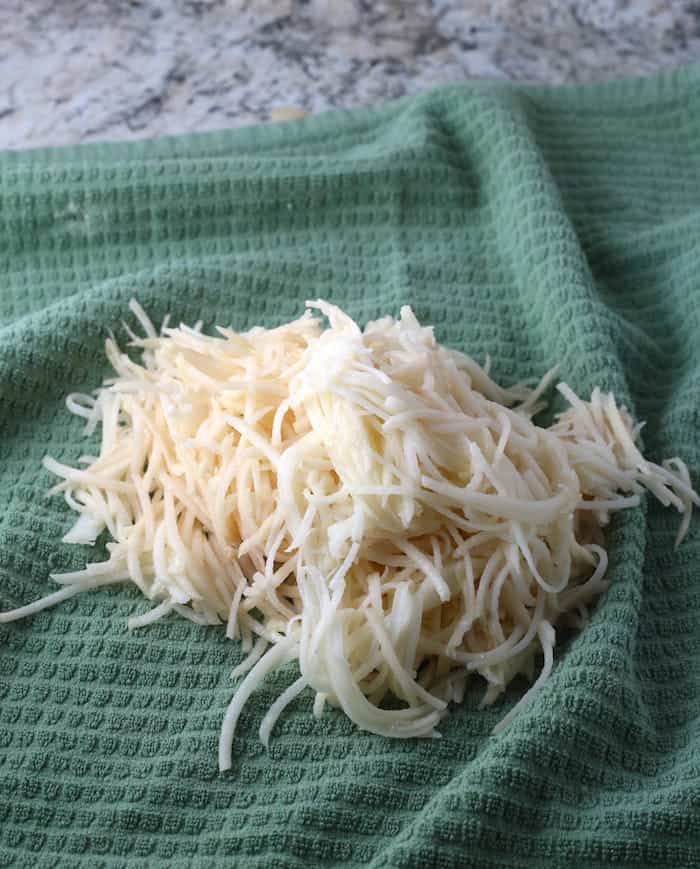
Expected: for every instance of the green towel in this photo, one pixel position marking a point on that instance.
(538, 225)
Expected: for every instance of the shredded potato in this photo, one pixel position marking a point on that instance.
(367, 503)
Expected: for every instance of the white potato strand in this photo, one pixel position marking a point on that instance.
(367, 503)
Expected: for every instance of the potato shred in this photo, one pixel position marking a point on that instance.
(368, 503)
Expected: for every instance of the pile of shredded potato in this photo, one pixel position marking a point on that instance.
(368, 503)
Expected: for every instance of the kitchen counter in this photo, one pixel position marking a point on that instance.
(84, 70)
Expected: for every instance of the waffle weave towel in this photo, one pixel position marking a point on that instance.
(537, 225)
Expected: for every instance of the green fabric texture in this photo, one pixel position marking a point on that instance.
(538, 225)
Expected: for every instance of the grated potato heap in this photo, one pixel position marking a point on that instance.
(367, 503)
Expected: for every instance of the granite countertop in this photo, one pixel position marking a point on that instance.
(82, 70)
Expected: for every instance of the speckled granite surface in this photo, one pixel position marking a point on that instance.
(81, 70)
